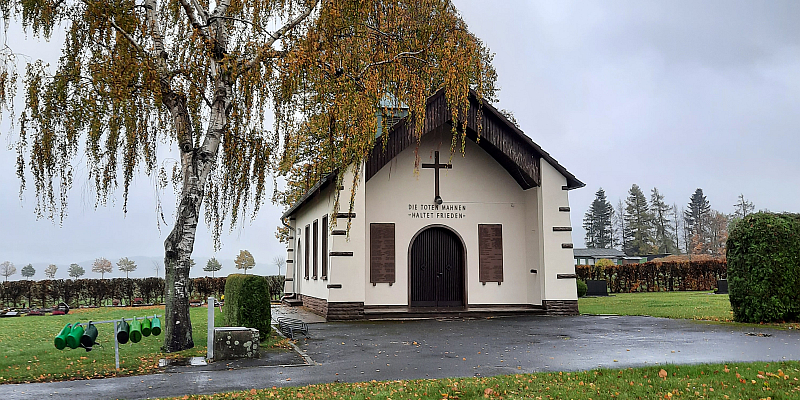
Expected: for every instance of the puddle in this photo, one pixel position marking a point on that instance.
(182, 362)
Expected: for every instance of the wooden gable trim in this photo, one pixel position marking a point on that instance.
(500, 138)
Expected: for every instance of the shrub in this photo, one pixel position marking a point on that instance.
(247, 302)
(582, 288)
(764, 268)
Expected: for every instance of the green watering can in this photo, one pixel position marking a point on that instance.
(89, 337)
(155, 327)
(135, 331)
(61, 340)
(146, 327)
(123, 332)
(74, 337)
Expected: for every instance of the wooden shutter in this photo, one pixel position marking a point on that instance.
(490, 252)
(381, 253)
(324, 247)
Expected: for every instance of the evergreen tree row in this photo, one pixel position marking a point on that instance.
(640, 227)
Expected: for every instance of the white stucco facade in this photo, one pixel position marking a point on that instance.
(537, 261)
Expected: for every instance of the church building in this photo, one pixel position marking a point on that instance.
(483, 232)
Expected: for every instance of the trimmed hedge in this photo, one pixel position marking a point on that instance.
(98, 292)
(764, 268)
(582, 287)
(247, 302)
(656, 276)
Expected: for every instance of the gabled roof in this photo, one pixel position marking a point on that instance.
(499, 137)
(310, 193)
(598, 253)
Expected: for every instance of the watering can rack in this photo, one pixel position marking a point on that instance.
(84, 335)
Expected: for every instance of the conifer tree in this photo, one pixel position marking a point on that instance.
(597, 222)
(696, 220)
(619, 225)
(638, 224)
(662, 225)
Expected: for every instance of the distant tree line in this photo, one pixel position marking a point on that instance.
(640, 227)
(100, 292)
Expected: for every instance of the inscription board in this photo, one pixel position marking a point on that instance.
(381, 253)
(490, 252)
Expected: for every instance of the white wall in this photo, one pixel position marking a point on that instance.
(476, 182)
(556, 260)
(315, 209)
(349, 271)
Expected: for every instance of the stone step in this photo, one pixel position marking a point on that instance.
(405, 313)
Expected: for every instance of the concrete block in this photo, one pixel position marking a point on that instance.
(235, 342)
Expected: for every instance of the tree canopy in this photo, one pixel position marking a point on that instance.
(102, 266)
(28, 271)
(126, 265)
(50, 271)
(76, 271)
(7, 269)
(136, 76)
(245, 260)
(212, 266)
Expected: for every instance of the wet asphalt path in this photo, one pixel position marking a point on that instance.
(361, 351)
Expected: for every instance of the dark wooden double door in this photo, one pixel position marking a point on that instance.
(437, 269)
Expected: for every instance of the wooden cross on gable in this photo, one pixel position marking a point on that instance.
(436, 166)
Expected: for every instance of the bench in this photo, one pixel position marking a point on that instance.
(290, 327)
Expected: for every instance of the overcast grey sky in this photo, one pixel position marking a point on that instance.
(675, 95)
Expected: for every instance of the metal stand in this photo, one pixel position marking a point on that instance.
(116, 330)
(210, 341)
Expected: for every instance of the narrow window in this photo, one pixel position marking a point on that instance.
(316, 248)
(307, 247)
(324, 247)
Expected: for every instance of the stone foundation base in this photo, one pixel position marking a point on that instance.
(349, 311)
(560, 307)
(335, 311)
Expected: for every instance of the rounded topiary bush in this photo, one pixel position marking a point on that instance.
(582, 288)
(763, 252)
(247, 302)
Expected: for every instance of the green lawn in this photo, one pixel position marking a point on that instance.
(681, 305)
(27, 353)
(716, 381)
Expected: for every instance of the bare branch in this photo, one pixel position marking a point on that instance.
(191, 12)
(128, 37)
(214, 18)
(267, 50)
(404, 55)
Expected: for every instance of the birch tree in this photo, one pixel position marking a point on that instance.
(126, 265)
(7, 269)
(102, 266)
(50, 271)
(200, 77)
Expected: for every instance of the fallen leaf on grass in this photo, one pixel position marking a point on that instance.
(662, 374)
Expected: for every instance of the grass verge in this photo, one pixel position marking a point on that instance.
(716, 381)
(681, 305)
(27, 353)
